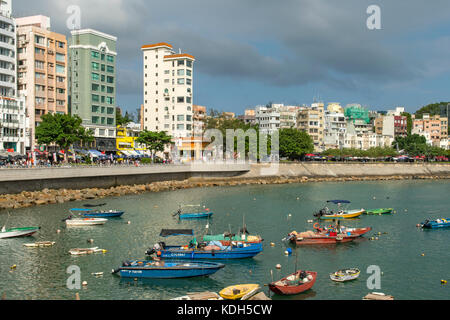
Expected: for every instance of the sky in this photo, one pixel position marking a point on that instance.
(252, 52)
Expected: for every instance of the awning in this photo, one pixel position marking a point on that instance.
(176, 232)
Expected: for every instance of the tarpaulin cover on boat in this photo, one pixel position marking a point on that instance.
(175, 232)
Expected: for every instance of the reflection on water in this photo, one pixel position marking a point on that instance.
(270, 211)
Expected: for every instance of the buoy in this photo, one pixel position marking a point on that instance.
(406, 210)
(272, 244)
(376, 238)
(379, 233)
(418, 225)
(278, 266)
(374, 198)
(286, 253)
(290, 215)
(310, 221)
(84, 283)
(129, 222)
(91, 241)
(289, 251)
(58, 231)
(444, 281)
(298, 198)
(423, 254)
(13, 267)
(105, 251)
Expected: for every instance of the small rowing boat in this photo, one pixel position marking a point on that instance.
(200, 296)
(39, 244)
(379, 211)
(436, 224)
(89, 213)
(240, 292)
(18, 232)
(83, 252)
(85, 222)
(296, 283)
(193, 212)
(345, 275)
(378, 296)
(167, 270)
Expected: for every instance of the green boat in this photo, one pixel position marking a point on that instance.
(380, 211)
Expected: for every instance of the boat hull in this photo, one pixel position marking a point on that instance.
(18, 232)
(321, 238)
(435, 225)
(191, 216)
(293, 290)
(103, 215)
(171, 271)
(235, 253)
(85, 222)
(245, 290)
(348, 215)
(379, 211)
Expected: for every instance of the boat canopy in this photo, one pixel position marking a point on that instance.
(84, 210)
(176, 232)
(338, 201)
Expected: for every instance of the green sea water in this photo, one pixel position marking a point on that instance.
(413, 261)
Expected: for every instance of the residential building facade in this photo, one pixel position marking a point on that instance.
(168, 90)
(312, 121)
(42, 70)
(199, 120)
(93, 81)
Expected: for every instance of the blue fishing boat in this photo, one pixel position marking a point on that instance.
(167, 269)
(437, 224)
(89, 213)
(214, 250)
(193, 212)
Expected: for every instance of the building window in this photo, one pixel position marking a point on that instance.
(180, 99)
(180, 72)
(110, 58)
(110, 90)
(95, 87)
(95, 54)
(180, 118)
(95, 109)
(95, 76)
(109, 100)
(95, 98)
(110, 79)
(180, 81)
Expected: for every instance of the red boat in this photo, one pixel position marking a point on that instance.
(327, 236)
(296, 283)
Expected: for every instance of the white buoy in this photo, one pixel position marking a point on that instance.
(84, 283)
(278, 266)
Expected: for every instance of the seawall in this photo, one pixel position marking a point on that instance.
(27, 188)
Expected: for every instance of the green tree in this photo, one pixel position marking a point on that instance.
(295, 144)
(154, 141)
(123, 121)
(63, 130)
(409, 120)
(432, 109)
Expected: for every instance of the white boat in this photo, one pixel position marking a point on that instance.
(85, 222)
(345, 275)
(17, 232)
(39, 244)
(200, 296)
(82, 252)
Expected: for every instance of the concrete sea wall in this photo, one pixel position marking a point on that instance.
(27, 188)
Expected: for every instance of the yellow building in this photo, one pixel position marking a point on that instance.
(126, 141)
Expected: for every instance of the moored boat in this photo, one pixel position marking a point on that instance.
(18, 232)
(199, 296)
(436, 224)
(345, 275)
(379, 211)
(240, 292)
(167, 270)
(296, 283)
(41, 244)
(328, 235)
(193, 212)
(327, 214)
(204, 250)
(82, 252)
(89, 213)
(85, 222)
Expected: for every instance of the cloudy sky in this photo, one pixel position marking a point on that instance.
(251, 52)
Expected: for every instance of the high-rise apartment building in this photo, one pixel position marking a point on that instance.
(42, 70)
(312, 121)
(168, 90)
(12, 110)
(93, 85)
